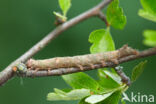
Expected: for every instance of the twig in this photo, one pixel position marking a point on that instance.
(7, 73)
(124, 78)
(62, 71)
(103, 18)
(145, 53)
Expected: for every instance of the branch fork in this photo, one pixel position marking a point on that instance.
(8, 73)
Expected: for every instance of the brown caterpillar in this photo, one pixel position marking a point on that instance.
(81, 61)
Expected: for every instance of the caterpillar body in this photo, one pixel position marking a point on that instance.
(81, 61)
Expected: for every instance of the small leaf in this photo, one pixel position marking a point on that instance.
(71, 95)
(65, 6)
(102, 41)
(81, 80)
(115, 77)
(93, 99)
(147, 15)
(150, 38)
(113, 99)
(110, 75)
(137, 70)
(58, 91)
(149, 9)
(107, 81)
(60, 16)
(149, 5)
(82, 101)
(115, 15)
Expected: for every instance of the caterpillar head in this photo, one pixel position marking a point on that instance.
(20, 68)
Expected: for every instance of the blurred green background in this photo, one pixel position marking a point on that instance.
(25, 22)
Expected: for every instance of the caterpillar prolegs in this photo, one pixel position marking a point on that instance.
(81, 61)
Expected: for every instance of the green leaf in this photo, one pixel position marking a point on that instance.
(93, 99)
(82, 101)
(65, 6)
(58, 91)
(137, 70)
(102, 41)
(147, 15)
(81, 80)
(114, 76)
(115, 15)
(149, 5)
(149, 10)
(71, 95)
(109, 80)
(150, 38)
(113, 99)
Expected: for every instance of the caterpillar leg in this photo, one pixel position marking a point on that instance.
(92, 66)
(48, 72)
(80, 66)
(115, 61)
(103, 63)
(31, 68)
(35, 71)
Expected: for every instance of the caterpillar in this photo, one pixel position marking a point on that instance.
(81, 61)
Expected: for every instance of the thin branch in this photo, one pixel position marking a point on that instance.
(62, 71)
(124, 78)
(7, 73)
(145, 53)
(103, 18)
